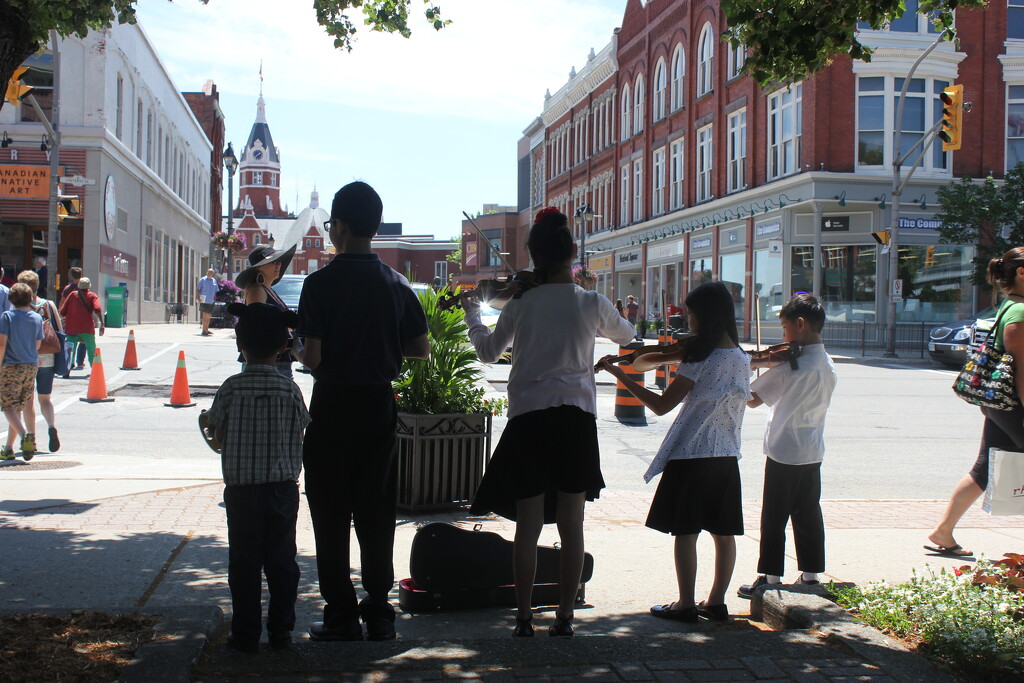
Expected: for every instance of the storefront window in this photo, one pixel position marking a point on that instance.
(700, 272)
(671, 287)
(848, 280)
(731, 273)
(654, 293)
(936, 283)
(768, 284)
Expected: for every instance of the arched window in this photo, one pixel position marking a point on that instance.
(626, 114)
(660, 84)
(705, 61)
(638, 104)
(678, 77)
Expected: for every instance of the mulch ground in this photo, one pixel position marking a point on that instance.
(83, 647)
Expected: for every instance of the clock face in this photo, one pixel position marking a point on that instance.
(109, 208)
(257, 154)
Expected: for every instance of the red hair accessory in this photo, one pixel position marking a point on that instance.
(543, 213)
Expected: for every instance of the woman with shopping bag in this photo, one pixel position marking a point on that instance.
(1003, 431)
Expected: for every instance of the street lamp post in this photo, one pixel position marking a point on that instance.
(582, 215)
(231, 165)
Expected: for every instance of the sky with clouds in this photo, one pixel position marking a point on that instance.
(432, 122)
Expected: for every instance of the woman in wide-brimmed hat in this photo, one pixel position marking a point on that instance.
(266, 266)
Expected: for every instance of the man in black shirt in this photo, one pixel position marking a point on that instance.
(359, 319)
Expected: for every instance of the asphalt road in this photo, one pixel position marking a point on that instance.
(895, 431)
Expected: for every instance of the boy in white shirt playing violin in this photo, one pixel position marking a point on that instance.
(797, 400)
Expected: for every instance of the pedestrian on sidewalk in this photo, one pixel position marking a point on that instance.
(258, 416)
(76, 357)
(547, 463)
(206, 293)
(5, 303)
(47, 361)
(266, 267)
(794, 443)
(359, 319)
(21, 331)
(698, 460)
(82, 313)
(1003, 429)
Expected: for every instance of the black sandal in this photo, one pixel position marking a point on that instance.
(562, 628)
(524, 628)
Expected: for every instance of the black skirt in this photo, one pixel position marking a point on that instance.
(542, 452)
(698, 494)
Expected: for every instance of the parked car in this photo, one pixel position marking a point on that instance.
(289, 287)
(949, 342)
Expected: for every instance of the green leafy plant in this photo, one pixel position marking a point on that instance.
(971, 620)
(450, 380)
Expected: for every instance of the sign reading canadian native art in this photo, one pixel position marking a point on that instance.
(24, 182)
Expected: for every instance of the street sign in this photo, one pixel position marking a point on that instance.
(897, 291)
(77, 180)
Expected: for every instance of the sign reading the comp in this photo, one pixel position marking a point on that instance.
(24, 182)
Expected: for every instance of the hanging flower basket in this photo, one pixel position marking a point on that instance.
(233, 242)
(584, 277)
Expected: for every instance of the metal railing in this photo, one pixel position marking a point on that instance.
(862, 336)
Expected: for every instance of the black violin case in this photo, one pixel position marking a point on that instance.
(455, 568)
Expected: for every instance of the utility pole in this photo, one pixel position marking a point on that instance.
(53, 225)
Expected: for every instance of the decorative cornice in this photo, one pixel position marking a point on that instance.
(594, 73)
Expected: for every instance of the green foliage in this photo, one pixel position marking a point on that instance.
(385, 16)
(789, 40)
(983, 213)
(449, 381)
(974, 625)
(455, 257)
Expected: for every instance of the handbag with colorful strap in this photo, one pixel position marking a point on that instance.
(986, 379)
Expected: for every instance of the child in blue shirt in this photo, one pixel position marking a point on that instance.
(21, 332)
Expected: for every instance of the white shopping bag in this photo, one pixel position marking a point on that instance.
(1005, 492)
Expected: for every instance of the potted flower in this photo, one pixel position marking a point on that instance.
(584, 277)
(227, 293)
(444, 421)
(233, 242)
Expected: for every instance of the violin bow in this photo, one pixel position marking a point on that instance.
(757, 323)
(497, 251)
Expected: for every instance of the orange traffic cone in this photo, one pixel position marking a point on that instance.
(131, 359)
(97, 392)
(180, 397)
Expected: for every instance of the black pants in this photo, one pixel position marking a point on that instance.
(261, 539)
(791, 492)
(349, 458)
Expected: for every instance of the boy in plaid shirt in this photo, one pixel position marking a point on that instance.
(259, 417)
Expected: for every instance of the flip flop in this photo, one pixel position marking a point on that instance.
(949, 551)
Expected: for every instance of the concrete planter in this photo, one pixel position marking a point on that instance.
(441, 459)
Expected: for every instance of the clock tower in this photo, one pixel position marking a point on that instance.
(259, 171)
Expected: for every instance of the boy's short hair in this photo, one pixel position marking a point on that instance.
(20, 294)
(75, 272)
(30, 278)
(262, 329)
(807, 307)
(360, 207)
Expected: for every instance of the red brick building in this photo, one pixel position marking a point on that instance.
(205, 106)
(691, 171)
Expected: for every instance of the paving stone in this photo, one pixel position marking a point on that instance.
(762, 667)
(549, 671)
(633, 671)
(726, 664)
(500, 676)
(807, 677)
(721, 675)
(671, 676)
(682, 664)
(850, 671)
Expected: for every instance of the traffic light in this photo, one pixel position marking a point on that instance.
(952, 117)
(15, 89)
(929, 257)
(883, 239)
(68, 206)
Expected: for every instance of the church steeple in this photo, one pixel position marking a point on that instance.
(259, 182)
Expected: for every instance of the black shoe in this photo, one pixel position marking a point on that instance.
(348, 631)
(686, 614)
(748, 591)
(562, 628)
(801, 582)
(524, 628)
(54, 444)
(280, 640)
(380, 628)
(379, 618)
(713, 612)
(245, 646)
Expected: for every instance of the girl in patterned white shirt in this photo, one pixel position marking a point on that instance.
(698, 460)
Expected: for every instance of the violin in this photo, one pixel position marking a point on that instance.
(643, 359)
(494, 293)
